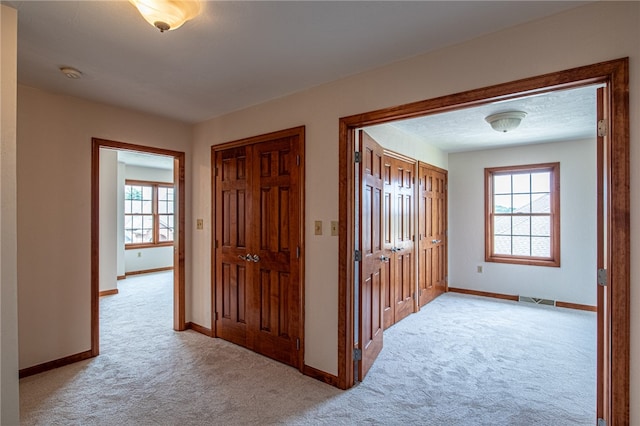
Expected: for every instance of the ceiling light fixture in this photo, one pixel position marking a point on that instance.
(505, 121)
(71, 72)
(167, 15)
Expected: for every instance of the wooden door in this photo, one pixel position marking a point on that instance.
(231, 270)
(398, 218)
(258, 212)
(373, 264)
(275, 216)
(432, 241)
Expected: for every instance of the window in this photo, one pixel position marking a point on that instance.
(148, 214)
(522, 220)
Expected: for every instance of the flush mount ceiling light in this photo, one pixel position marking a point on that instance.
(71, 72)
(167, 15)
(505, 121)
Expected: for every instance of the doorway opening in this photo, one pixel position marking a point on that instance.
(173, 196)
(613, 210)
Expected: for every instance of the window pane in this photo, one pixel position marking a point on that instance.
(162, 207)
(541, 182)
(147, 207)
(136, 206)
(521, 225)
(522, 203)
(541, 226)
(502, 184)
(502, 245)
(541, 246)
(521, 183)
(541, 203)
(162, 193)
(502, 204)
(521, 246)
(147, 192)
(166, 227)
(502, 225)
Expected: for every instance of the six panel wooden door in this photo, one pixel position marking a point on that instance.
(398, 220)
(374, 264)
(432, 241)
(258, 214)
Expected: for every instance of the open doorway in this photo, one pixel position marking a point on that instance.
(167, 190)
(613, 325)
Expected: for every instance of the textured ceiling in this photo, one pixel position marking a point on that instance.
(551, 117)
(239, 53)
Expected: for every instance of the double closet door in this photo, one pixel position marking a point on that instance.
(258, 283)
(399, 228)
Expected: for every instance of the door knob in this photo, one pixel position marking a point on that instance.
(255, 258)
(246, 257)
(384, 258)
(435, 241)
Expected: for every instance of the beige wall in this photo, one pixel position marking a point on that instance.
(583, 36)
(54, 212)
(9, 411)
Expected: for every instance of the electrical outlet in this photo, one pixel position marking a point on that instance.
(317, 229)
(479, 269)
(139, 254)
(199, 224)
(334, 228)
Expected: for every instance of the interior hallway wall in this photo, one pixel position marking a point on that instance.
(9, 399)
(54, 187)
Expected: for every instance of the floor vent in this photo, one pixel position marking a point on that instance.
(537, 301)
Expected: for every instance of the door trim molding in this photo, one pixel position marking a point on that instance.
(615, 74)
(252, 140)
(179, 255)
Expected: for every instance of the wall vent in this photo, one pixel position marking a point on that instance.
(537, 300)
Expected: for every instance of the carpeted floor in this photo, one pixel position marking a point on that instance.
(461, 360)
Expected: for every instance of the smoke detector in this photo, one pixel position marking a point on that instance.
(71, 72)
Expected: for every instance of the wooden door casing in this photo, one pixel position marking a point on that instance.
(373, 266)
(258, 244)
(432, 231)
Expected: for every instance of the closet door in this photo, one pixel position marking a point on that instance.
(258, 210)
(398, 218)
(432, 224)
(232, 230)
(402, 250)
(275, 224)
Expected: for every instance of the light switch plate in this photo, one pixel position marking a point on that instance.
(318, 227)
(334, 228)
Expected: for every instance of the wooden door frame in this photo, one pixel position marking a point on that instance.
(300, 133)
(179, 248)
(615, 74)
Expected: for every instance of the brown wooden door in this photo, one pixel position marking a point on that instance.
(275, 216)
(258, 233)
(232, 273)
(432, 242)
(398, 218)
(373, 264)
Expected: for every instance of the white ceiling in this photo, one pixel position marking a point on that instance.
(241, 53)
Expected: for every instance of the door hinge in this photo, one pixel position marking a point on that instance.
(357, 256)
(357, 157)
(298, 252)
(602, 422)
(602, 277)
(216, 171)
(297, 160)
(602, 128)
(297, 344)
(357, 354)
(216, 316)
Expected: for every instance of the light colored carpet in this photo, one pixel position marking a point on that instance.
(461, 360)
